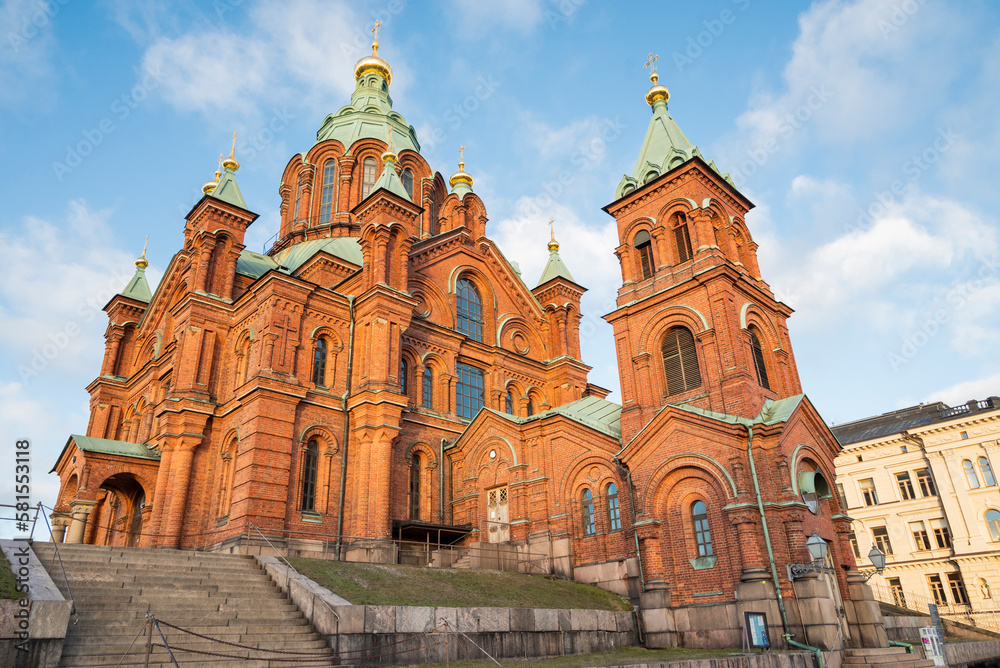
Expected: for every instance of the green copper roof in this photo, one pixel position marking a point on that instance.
(369, 116)
(389, 180)
(600, 414)
(108, 447)
(664, 148)
(773, 412)
(555, 268)
(253, 264)
(228, 190)
(289, 259)
(138, 288)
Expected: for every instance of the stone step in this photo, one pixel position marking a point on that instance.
(292, 635)
(86, 565)
(136, 552)
(160, 659)
(167, 587)
(873, 651)
(119, 647)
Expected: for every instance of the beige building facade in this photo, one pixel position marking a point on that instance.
(921, 484)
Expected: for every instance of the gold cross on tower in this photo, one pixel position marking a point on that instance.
(461, 156)
(651, 63)
(375, 38)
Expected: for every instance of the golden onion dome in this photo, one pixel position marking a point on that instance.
(461, 176)
(656, 91)
(373, 63)
(230, 162)
(142, 262)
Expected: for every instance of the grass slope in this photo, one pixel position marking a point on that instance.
(382, 584)
(8, 583)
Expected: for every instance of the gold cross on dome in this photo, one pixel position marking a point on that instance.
(651, 62)
(552, 228)
(375, 30)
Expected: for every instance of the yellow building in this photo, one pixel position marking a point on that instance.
(921, 484)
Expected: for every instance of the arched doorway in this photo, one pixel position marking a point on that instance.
(121, 515)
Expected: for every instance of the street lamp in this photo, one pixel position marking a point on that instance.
(877, 557)
(817, 550)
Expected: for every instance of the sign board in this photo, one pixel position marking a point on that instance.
(933, 647)
(755, 630)
(936, 620)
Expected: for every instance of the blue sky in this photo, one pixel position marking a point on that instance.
(865, 132)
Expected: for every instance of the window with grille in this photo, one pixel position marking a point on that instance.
(881, 537)
(614, 512)
(319, 363)
(589, 522)
(682, 239)
(298, 198)
(326, 194)
(984, 468)
(926, 483)
(408, 181)
(469, 310)
(905, 486)
(368, 177)
(942, 536)
(937, 589)
(531, 407)
(644, 246)
(896, 589)
(702, 535)
(310, 469)
(957, 586)
(468, 391)
(993, 524)
(680, 361)
(404, 373)
(415, 487)
(970, 474)
(758, 359)
(920, 537)
(854, 545)
(509, 403)
(428, 399)
(868, 494)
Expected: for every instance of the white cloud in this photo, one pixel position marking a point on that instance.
(26, 73)
(477, 18)
(959, 393)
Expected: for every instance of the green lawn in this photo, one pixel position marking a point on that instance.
(8, 584)
(383, 584)
(622, 656)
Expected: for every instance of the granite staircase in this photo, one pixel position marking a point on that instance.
(886, 657)
(218, 596)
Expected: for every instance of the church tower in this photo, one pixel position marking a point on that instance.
(695, 323)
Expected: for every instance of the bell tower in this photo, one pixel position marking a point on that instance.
(695, 322)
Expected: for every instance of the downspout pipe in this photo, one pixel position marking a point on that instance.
(787, 635)
(347, 426)
(441, 483)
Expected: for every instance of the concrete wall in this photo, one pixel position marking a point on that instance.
(907, 629)
(962, 654)
(47, 614)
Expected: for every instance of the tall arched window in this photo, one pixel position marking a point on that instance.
(531, 406)
(428, 399)
(415, 487)
(993, 524)
(226, 479)
(970, 473)
(329, 184)
(758, 359)
(469, 390)
(614, 511)
(319, 363)
(589, 523)
(682, 239)
(984, 467)
(310, 471)
(702, 535)
(645, 249)
(408, 181)
(469, 311)
(509, 403)
(680, 361)
(404, 373)
(368, 177)
(298, 198)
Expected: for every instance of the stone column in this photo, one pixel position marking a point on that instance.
(58, 527)
(173, 523)
(752, 558)
(81, 510)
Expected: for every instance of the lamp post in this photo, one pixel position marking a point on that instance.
(877, 557)
(817, 550)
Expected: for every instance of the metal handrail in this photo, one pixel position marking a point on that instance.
(288, 565)
(55, 546)
(915, 601)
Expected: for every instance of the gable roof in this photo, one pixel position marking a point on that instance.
(598, 414)
(107, 446)
(289, 259)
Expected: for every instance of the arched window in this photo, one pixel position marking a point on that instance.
(226, 480)
(970, 473)
(368, 177)
(589, 524)
(310, 470)
(428, 400)
(993, 524)
(680, 361)
(702, 535)
(404, 372)
(509, 407)
(329, 184)
(984, 467)
(415, 487)
(298, 198)
(319, 363)
(432, 223)
(645, 248)
(531, 406)
(468, 391)
(408, 181)
(614, 512)
(682, 239)
(469, 310)
(758, 359)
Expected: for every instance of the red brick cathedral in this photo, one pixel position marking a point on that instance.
(385, 373)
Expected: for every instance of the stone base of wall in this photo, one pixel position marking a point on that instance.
(972, 654)
(34, 653)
